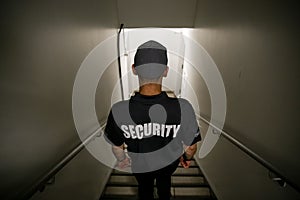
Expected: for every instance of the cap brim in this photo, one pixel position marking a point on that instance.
(150, 70)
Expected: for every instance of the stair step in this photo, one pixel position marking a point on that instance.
(134, 184)
(192, 198)
(117, 172)
(124, 191)
(120, 179)
(190, 191)
(180, 171)
(116, 179)
(177, 191)
(187, 172)
(187, 179)
(118, 197)
(187, 184)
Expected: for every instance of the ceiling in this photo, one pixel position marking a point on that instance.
(157, 13)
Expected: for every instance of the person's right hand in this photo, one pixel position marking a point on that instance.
(184, 163)
(124, 163)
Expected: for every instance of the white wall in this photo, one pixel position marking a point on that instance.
(82, 178)
(42, 47)
(255, 46)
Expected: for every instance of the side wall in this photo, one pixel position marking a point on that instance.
(42, 46)
(255, 45)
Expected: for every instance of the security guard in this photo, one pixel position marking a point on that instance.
(159, 131)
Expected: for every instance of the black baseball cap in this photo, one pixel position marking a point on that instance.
(151, 59)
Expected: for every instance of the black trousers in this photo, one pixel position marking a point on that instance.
(163, 182)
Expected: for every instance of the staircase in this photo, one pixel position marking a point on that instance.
(186, 184)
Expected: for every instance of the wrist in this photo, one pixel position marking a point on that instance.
(185, 157)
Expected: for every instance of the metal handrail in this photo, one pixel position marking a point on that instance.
(42, 182)
(280, 177)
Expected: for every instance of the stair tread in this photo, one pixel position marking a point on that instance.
(187, 172)
(175, 179)
(180, 171)
(176, 191)
(131, 197)
(119, 197)
(187, 184)
(120, 184)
